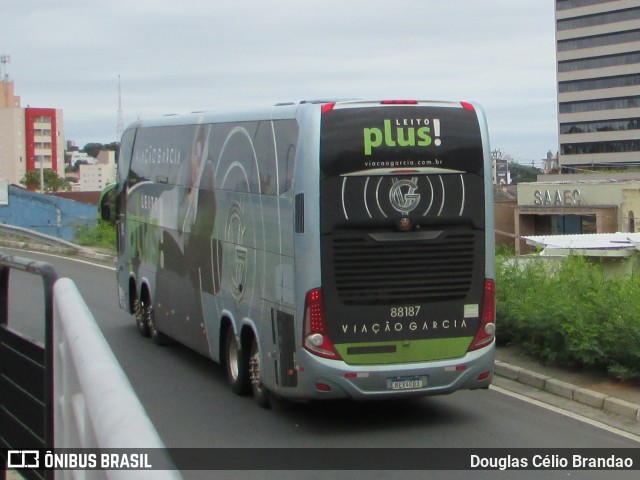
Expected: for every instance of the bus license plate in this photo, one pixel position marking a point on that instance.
(404, 383)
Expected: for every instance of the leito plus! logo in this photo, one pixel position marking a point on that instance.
(402, 132)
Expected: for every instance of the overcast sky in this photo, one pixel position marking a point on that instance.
(181, 56)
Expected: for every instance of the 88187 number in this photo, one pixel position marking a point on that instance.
(406, 311)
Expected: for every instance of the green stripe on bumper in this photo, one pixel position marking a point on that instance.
(403, 352)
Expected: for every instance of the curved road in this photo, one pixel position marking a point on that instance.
(188, 400)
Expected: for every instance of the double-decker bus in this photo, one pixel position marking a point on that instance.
(317, 250)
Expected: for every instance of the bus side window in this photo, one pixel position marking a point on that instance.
(266, 158)
(286, 139)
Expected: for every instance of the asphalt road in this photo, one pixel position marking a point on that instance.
(188, 400)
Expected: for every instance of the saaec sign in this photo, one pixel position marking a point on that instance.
(557, 198)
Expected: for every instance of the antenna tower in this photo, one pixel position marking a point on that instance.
(120, 128)
(4, 60)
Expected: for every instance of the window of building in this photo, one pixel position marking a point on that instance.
(603, 126)
(595, 167)
(567, 4)
(620, 146)
(542, 225)
(602, 104)
(42, 158)
(599, 40)
(599, 19)
(599, 62)
(588, 224)
(599, 83)
(632, 222)
(565, 224)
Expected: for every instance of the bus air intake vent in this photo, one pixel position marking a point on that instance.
(367, 272)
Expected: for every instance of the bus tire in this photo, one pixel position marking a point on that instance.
(156, 335)
(236, 365)
(141, 323)
(260, 392)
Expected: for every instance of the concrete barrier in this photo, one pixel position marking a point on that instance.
(95, 405)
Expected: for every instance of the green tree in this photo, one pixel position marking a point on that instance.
(93, 149)
(52, 182)
(523, 173)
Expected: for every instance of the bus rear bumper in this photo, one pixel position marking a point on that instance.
(321, 378)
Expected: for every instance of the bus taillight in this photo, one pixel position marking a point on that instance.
(399, 102)
(316, 338)
(487, 330)
(327, 107)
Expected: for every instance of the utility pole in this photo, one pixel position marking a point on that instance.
(41, 175)
(120, 127)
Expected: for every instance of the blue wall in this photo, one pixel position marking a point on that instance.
(53, 216)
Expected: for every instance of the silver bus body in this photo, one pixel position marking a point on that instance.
(319, 250)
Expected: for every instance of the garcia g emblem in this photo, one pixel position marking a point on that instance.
(403, 196)
(235, 235)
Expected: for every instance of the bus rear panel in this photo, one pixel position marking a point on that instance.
(405, 305)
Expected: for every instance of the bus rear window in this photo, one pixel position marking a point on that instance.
(400, 137)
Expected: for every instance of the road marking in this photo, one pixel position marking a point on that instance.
(57, 255)
(567, 413)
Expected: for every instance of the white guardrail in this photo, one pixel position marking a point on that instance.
(94, 403)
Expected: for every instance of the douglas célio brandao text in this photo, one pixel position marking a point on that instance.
(551, 462)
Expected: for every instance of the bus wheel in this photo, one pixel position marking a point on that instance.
(260, 392)
(141, 323)
(236, 363)
(156, 335)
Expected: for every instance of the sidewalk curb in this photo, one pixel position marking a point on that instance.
(62, 250)
(585, 396)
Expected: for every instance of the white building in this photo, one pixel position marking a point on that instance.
(96, 177)
(75, 157)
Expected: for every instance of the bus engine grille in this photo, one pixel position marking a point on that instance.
(367, 272)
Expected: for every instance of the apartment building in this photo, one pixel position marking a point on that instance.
(95, 177)
(12, 145)
(30, 138)
(598, 63)
(44, 139)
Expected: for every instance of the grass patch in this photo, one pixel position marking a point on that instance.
(102, 235)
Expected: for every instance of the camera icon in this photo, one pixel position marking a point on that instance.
(23, 459)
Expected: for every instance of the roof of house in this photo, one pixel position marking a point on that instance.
(596, 244)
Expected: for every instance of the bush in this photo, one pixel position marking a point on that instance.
(570, 313)
(102, 235)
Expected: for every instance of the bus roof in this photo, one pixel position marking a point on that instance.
(284, 111)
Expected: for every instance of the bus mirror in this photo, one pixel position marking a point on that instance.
(108, 203)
